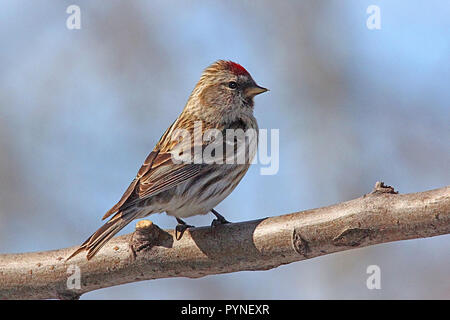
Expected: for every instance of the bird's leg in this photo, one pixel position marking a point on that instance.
(181, 228)
(219, 219)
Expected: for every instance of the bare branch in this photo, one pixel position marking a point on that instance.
(152, 253)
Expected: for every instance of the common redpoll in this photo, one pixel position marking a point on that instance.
(221, 101)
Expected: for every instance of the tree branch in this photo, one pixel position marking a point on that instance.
(152, 253)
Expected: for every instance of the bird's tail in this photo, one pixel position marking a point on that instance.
(97, 240)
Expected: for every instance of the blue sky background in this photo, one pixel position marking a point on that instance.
(81, 109)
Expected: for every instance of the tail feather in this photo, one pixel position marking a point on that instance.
(100, 237)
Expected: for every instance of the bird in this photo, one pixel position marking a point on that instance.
(222, 100)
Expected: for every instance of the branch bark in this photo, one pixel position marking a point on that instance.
(152, 253)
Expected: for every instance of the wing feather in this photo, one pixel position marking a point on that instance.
(160, 182)
(130, 190)
(157, 174)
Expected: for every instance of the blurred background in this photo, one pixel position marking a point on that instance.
(81, 109)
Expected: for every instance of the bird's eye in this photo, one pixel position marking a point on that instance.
(232, 85)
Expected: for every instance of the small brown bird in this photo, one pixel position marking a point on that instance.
(221, 100)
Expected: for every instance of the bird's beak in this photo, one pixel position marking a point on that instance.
(254, 90)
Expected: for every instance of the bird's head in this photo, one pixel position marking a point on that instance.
(226, 86)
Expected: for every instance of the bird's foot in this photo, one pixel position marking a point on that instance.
(218, 221)
(181, 228)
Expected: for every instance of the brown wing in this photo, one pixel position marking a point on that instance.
(144, 169)
(158, 173)
(166, 177)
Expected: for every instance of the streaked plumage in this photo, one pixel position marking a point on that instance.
(186, 189)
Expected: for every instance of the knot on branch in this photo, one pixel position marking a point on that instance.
(148, 235)
(300, 244)
(352, 237)
(380, 187)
